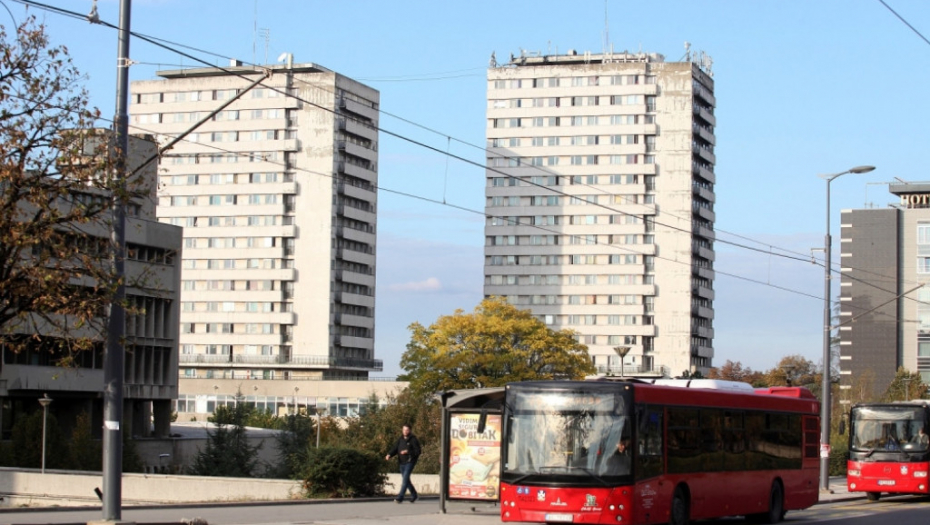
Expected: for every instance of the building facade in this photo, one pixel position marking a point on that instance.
(884, 317)
(277, 197)
(600, 203)
(150, 383)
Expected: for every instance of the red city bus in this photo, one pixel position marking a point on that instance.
(670, 451)
(888, 448)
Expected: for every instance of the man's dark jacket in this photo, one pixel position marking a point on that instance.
(411, 444)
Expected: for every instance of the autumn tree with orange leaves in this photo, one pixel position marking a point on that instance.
(56, 191)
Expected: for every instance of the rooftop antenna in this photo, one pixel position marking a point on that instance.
(265, 33)
(606, 29)
(254, 30)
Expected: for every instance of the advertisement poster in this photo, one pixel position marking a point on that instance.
(474, 459)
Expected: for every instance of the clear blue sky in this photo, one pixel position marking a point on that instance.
(803, 88)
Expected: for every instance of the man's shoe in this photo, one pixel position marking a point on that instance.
(398, 501)
(414, 499)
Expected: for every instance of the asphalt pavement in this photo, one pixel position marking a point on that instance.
(458, 513)
(367, 511)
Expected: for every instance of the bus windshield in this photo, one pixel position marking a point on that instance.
(568, 433)
(888, 428)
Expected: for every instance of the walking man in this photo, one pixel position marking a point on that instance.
(407, 450)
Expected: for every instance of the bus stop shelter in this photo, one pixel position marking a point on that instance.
(470, 466)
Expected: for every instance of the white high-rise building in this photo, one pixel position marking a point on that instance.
(600, 198)
(277, 197)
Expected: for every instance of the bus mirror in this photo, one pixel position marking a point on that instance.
(482, 421)
(842, 428)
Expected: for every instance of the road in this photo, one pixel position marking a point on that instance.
(903, 510)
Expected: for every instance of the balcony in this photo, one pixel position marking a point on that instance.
(705, 114)
(704, 231)
(705, 153)
(706, 133)
(704, 212)
(705, 94)
(633, 371)
(352, 106)
(375, 365)
(703, 191)
(700, 271)
(705, 171)
(357, 128)
(205, 358)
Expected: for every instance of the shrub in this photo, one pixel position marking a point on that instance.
(839, 454)
(336, 472)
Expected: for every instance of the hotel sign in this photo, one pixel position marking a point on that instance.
(916, 200)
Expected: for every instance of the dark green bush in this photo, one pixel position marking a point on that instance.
(839, 454)
(335, 472)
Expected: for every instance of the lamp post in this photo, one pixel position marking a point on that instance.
(622, 351)
(826, 392)
(45, 401)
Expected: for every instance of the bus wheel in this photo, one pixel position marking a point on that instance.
(679, 513)
(776, 505)
(873, 496)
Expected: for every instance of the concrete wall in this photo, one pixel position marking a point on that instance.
(31, 488)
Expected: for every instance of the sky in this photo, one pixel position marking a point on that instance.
(803, 89)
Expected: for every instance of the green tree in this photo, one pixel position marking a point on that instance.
(297, 432)
(905, 386)
(379, 427)
(228, 452)
(496, 344)
(85, 452)
(27, 442)
(53, 205)
(132, 461)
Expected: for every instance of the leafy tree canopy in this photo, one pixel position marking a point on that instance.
(496, 344)
(55, 200)
(905, 386)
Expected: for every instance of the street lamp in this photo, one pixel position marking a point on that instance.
(45, 401)
(318, 411)
(826, 392)
(622, 351)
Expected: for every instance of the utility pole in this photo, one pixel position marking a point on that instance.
(116, 324)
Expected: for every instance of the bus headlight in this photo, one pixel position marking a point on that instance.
(920, 473)
(853, 472)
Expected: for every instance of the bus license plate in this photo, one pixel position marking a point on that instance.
(561, 518)
(886, 482)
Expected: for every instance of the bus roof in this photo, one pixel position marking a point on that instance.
(706, 392)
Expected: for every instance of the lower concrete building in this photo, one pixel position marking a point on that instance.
(346, 398)
(151, 359)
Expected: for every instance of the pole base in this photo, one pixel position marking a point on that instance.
(826, 491)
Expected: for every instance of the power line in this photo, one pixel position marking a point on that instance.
(163, 43)
(901, 18)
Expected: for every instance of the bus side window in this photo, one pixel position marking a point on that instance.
(649, 446)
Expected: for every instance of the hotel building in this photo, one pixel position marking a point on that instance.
(884, 320)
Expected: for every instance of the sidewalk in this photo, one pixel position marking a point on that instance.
(839, 491)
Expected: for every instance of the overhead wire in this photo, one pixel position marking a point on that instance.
(163, 43)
